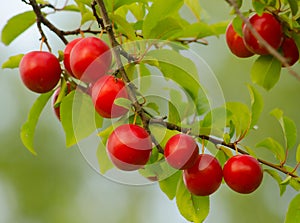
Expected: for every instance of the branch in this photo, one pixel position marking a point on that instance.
(262, 41)
(41, 18)
(217, 141)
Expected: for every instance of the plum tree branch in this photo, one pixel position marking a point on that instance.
(262, 41)
(217, 141)
(42, 19)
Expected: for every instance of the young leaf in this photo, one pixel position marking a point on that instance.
(158, 11)
(240, 116)
(169, 185)
(277, 178)
(193, 208)
(286, 181)
(257, 105)
(288, 127)
(293, 213)
(237, 24)
(78, 117)
(124, 26)
(274, 146)
(266, 71)
(16, 26)
(258, 6)
(13, 61)
(28, 128)
(103, 160)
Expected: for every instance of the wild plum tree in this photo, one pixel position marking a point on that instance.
(99, 83)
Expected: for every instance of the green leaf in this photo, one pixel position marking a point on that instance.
(123, 102)
(183, 71)
(158, 11)
(258, 6)
(257, 105)
(124, 26)
(13, 61)
(275, 175)
(86, 13)
(286, 181)
(294, 6)
(240, 116)
(288, 127)
(273, 146)
(173, 114)
(103, 160)
(85, 2)
(298, 154)
(118, 3)
(293, 213)
(78, 117)
(195, 7)
(16, 26)
(237, 24)
(166, 29)
(169, 185)
(72, 8)
(266, 71)
(201, 29)
(193, 208)
(294, 183)
(28, 128)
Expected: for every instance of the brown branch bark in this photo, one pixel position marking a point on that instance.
(42, 19)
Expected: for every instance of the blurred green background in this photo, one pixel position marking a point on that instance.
(59, 186)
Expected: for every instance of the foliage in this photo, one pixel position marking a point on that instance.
(162, 36)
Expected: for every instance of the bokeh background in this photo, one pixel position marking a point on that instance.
(59, 186)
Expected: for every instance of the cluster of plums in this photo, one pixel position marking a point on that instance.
(203, 174)
(129, 146)
(271, 30)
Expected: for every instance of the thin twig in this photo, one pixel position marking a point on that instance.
(217, 141)
(46, 22)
